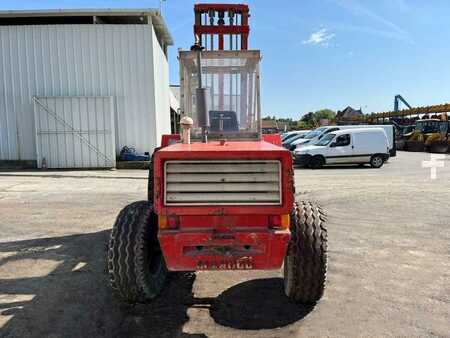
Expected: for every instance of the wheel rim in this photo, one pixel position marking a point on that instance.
(377, 161)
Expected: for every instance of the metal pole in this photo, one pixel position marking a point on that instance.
(201, 94)
(200, 86)
(199, 65)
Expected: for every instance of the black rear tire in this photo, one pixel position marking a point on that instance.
(151, 173)
(136, 266)
(150, 189)
(316, 162)
(305, 264)
(415, 146)
(439, 147)
(376, 161)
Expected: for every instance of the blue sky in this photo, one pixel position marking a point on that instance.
(327, 53)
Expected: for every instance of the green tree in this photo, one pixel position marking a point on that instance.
(308, 121)
(325, 114)
(303, 125)
(285, 119)
(311, 120)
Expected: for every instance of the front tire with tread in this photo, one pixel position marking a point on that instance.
(136, 266)
(305, 264)
(376, 161)
(316, 162)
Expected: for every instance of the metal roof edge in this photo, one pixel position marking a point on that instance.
(158, 21)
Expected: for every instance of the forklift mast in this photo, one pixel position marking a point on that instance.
(215, 22)
(222, 96)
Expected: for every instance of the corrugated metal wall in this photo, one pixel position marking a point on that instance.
(161, 73)
(82, 60)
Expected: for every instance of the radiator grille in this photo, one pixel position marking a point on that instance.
(222, 182)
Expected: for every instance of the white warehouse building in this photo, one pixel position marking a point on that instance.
(78, 85)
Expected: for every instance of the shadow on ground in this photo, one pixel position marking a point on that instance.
(257, 304)
(73, 299)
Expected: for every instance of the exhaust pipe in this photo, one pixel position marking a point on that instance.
(201, 94)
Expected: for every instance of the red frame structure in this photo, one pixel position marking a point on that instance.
(210, 21)
(238, 15)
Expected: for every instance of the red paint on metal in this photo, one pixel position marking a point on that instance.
(231, 146)
(272, 138)
(238, 8)
(198, 29)
(222, 29)
(232, 150)
(200, 251)
(217, 221)
(169, 139)
(242, 230)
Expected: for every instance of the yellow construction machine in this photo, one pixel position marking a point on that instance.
(431, 134)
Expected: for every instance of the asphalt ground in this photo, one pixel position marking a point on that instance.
(389, 261)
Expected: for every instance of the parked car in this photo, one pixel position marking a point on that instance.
(349, 146)
(311, 137)
(289, 134)
(322, 131)
(293, 137)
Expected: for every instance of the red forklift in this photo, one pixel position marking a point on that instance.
(221, 194)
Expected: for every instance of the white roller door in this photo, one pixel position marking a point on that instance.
(75, 132)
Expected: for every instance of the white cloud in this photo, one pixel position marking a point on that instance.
(322, 38)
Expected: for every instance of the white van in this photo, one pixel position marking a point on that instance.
(349, 146)
(318, 133)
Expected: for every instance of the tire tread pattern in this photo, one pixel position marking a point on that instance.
(307, 252)
(128, 254)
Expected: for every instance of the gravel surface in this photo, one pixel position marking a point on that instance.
(389, 261)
